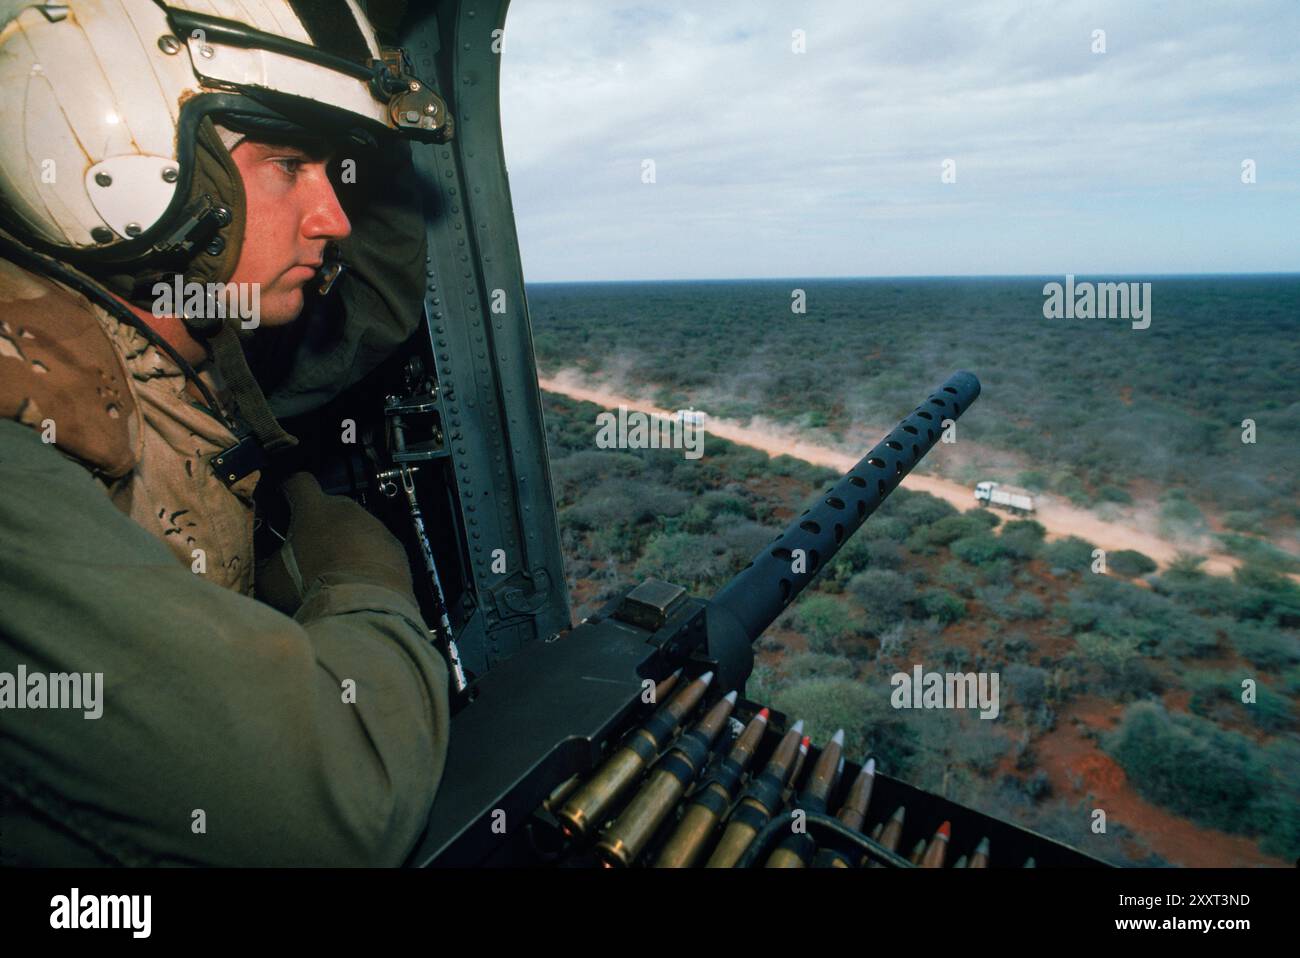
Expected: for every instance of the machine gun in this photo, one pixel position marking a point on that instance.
(546, 716)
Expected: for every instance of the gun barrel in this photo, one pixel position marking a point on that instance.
(754, 598)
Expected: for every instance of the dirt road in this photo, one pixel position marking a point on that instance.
(1060, 519)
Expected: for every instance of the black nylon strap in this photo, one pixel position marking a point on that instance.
(676, 766)
(766, 790)
(747, 814)
(810, 804)
(728, 774)
(660, 726)
(695, 746)
(710, 799)
(643, 748)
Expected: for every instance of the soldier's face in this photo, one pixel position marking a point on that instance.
(292, 214)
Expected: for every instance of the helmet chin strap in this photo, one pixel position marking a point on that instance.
(249, 400)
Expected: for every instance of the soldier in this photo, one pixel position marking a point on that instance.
(288, 712)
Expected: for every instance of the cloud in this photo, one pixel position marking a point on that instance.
(827, 162)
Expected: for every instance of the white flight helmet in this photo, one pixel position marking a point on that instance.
(108, 159)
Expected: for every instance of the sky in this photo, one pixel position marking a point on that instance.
(830, 162)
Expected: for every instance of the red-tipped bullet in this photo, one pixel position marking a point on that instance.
(934, 855)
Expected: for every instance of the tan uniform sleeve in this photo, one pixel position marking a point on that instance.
(230, 734)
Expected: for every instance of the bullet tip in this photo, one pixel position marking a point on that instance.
(706, 678)
(763, 714)
(731, 696)
(838, 738)
(983, 847)
(803, 746)
(898, 814)
(945, 831)
(797, 727)
(870, 767)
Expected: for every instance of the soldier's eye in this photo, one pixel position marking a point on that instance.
(291, 165)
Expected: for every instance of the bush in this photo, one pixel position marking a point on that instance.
(958, 578)
(883, 595)
(871, 726)
(1121, 669)
(741, 539)
(947, 530)
(1022, 539)
(722, 502)
(625, 501)
(1274, 814)
(883, 527)
(1033, 480)
(1267, 647)
(1109, 653)
(916, 508)
(1203, 593)
(1189, 765)
(1130, 563)
(1215, 694)
(1246, 521)
(1114, 494)
(942, 605)
(762, 684)
(1176, 509)
(1290, 683)
(1038, 786)
(1025, 684)
(1026, 605)
(1259, 552)
(582, 470)
(1119, 609)
(1069, 555)
(1270, 711)
(824, 620)
(815, 665)
(861, 553)
(977, 550)
(684, 559)
(1267, 595)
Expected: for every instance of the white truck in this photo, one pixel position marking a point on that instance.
(996, 494)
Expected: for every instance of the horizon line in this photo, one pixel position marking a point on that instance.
(974, 276)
